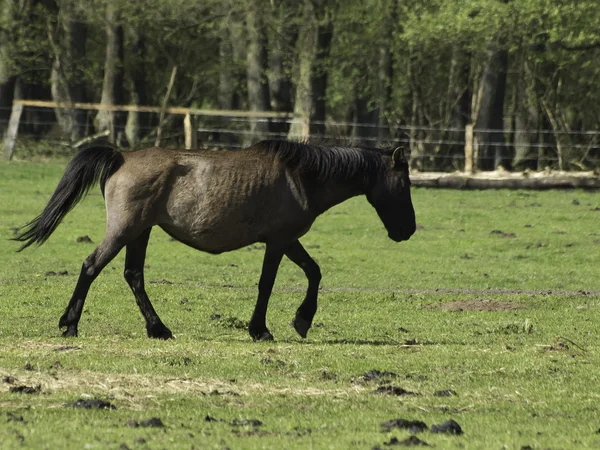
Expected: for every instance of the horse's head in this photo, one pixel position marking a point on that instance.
(390, 196)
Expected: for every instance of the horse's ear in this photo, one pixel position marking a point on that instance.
(398, 157)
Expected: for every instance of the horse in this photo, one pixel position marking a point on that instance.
(219, 201)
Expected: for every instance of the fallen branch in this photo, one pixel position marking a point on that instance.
(164, 106)
(88, 139)
(508, 180)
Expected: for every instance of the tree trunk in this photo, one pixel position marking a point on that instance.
(319, 73)
(303, 103)
(232, 37)
(237, 32)
(311, 83)
(459, 108)
(417, 134)
(492, 149)
(32, 81)
(226, 70)
(7, 77)
(138, 123)
(524, 121)
(365, 119)
(67, 80)
(232, 59)
(385, 73)
(112, 86)
(282, 39)
(258, 88)
(384, 92)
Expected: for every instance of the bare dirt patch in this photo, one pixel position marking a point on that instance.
(413, 426)
(448, 427)
(90, 404)
(154, 422)
(390, 389)
(23, 389)
(480, 305)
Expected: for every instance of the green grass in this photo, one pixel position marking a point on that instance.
(524, 376)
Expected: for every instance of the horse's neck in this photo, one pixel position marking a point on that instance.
(331, 193)
(340, 187)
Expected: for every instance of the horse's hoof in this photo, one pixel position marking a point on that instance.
(263, 336)
(71, 331)
(159, 331)
(301, 326)
(63, 321)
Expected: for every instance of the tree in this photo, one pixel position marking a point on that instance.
(282, 37)
(137, 122)
(490, 112)
(68, 39)
(314, 42)
(7, 72)
(113, 86)
(258, 88)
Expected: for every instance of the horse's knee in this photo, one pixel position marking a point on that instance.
(89, 268)
(132, 277)
(313, 272)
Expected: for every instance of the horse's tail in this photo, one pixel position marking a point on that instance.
(84, 171)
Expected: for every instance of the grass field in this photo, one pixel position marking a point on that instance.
(496, 298)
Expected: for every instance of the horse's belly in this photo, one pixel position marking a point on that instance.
(212, 239)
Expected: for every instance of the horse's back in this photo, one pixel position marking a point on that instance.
(211, 200)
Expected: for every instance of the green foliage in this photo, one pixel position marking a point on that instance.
(553, 48)
(26, 48)
(522, 367)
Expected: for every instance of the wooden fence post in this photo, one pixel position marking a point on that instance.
(469, 148)
(13, 129)
(191, 132)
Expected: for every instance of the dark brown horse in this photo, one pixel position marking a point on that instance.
(217, 201)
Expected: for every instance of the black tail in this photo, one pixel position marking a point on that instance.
(83, 172)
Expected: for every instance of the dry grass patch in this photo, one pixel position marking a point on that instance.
(128, 386)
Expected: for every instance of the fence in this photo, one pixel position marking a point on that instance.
(433, 148)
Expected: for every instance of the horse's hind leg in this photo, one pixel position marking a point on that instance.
(134, 274)
(306, 311)
(91, 268)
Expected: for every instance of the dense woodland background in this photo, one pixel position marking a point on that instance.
(524, 73)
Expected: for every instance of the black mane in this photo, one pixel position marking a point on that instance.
(323, 162)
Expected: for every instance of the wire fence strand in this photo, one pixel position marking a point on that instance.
(435, 147)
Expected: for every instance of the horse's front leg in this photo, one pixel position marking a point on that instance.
(258, 323)
(306, 311)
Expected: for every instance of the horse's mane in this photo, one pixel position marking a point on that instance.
(325, 162)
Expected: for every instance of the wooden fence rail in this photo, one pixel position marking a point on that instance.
(157, 109)
(189, 113)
